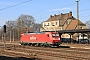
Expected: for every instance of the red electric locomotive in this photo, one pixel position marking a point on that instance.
(41, 39)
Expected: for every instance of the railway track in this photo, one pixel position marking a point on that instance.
(49, 53)
(15, 54)
(67, 55)
(62, 52)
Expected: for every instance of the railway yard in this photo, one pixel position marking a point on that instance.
(66, 51)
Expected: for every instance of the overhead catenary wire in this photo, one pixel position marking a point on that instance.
(85, 16)
(66, 5)
(41, 12)
(73, 12)
(15, 5)
(31, 0)
(70, 5)
(84, 1)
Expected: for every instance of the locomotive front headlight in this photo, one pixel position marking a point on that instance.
(58, 38)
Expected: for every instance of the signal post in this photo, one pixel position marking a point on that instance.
(4, 30)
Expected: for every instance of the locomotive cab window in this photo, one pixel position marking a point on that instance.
(55, 34)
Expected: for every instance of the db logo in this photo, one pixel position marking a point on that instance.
(33, 38)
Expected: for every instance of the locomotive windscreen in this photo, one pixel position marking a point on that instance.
(55, 34)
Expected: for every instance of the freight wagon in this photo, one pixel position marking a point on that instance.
(41, 39)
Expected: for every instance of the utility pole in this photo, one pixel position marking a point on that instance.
(13, 35)
(4, 41)
(18, 29)
(2, 36)
(77, 14)
(10, 36)
(11, 23)
(77, 11)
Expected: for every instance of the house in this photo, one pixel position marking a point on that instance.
(62, 22)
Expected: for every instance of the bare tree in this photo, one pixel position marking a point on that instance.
(23, 22)
(26, 21)
(88, 24)
(1, 33)
(11, 28)
(37, 27)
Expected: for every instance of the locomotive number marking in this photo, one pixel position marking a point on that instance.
(33, 38)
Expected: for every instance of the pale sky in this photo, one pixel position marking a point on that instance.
(42, 9)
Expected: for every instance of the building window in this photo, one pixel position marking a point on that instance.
(44, 25)
(48, 24)
(53, 25)
(56, 23)
(81, 27)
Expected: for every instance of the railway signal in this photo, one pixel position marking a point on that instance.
(4, 28)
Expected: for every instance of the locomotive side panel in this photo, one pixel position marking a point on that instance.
(36, 38)
(47, 39)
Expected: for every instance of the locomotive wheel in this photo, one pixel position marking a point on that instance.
(29, 44)
(21, 43)
(24, 44)
(38, 44)
(58, 46)
(33, 44)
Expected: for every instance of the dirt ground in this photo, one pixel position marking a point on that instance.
(80, 46)
(63, 45)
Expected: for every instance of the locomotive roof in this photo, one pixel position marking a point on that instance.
(35, 33)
